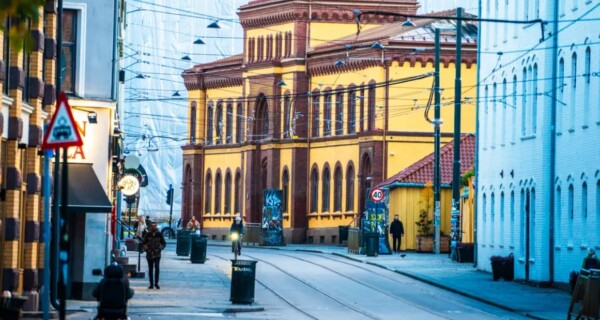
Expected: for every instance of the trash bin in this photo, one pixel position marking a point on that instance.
(198, 250)
(343, 233)
(243, 274)
(183, 243)
(11, 306)
(372, 244)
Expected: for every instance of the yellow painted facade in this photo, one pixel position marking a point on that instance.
(324, 116)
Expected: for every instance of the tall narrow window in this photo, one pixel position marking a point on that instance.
(505, 33)
(504, 110)
(218, 192)
(597, 206)
(558, 225)
(534, 99)
(27, 69)
(69, 51)
(486, 117)
(239, 125)
(337, 190)
(514, 110)
(208, 194)
(502, 236)
(584, 201)
(339, 114)
(350, 189)
(570, 209)
(327, 115)
(573, 90)
(560, 95)
(512, 219)
(483, 222)
(6, 48)
(315, 114)
(586, 88)
(285, 187)
(228, 187)
(193, 122)
(352, 111)
(524, 103)
(314, 191)
(494, 133)
(238, 193)
(492, 223)
(287, 107)
(371, 108)
(288, 43)
(229, 124)
(209, 124)
(362, 109)
(326, 190)
(219, 123)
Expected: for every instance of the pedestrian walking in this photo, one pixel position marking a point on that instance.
(193, 224)
(397, 231)
(153, 243)
(141, 227)
(148, 221)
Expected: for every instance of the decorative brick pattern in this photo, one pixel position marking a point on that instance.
(15, 128)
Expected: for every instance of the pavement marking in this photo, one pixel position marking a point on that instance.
(187, 314)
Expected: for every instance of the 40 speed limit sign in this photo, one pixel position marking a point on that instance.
(377, 195)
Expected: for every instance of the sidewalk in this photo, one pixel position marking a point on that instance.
(462, 278)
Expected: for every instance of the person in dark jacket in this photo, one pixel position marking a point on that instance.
(112, 293)
(237, 226)
(397, 231)
(153, 243)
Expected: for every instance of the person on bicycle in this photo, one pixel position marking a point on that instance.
(237, 226)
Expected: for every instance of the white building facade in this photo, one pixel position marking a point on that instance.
(538, 168)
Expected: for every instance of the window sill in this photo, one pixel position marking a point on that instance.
(570, 247)
(588, 2)
(313, 215)
(529, 137)
(583, 247)
(501, 246)
(336, 214)
(598, 123)
(557, 248)
(511, 247)
(349, 214)
(521, 260)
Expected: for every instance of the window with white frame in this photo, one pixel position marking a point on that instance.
(534, 99)
(586, 87)
(514, 110)
(570, 209)
(558, 210)
(492, 223)
(573, 91)
(68, 65)
(560, 95)
(504, 110)
(486, 117)
(494, 114)
(512, 218)
(502, 221)
(524, 102)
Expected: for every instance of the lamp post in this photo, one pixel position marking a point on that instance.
(437, 123)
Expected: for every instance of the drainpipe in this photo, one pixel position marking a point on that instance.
(476, 146)
(552, 160)
(386, 120)
(115, 61)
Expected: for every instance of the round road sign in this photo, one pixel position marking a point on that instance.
(377, 195)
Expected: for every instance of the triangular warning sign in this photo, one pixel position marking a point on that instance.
(62, 131)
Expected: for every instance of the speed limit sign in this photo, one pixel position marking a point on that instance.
(377, 195)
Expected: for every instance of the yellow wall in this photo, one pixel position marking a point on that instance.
(406, 203)
(325, 32)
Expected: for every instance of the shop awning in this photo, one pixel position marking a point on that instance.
(85, 191)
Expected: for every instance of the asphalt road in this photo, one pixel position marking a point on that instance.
(291, 285)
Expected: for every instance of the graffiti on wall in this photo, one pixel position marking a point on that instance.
(272, 219)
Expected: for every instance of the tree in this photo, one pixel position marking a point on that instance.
(19, 11)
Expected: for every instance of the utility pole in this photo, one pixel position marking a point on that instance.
(456, 232)
(437, 123)
(170, 203)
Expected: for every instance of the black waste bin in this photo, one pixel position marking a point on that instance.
(372, 244)
(243, 274)
(184, 243)
(198, 251)
(343, 236)
(10, 307)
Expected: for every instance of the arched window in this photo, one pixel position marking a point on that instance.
(261, 125)
(239, 123)
(339, 113)
(503, 141)
(597, 207)
(362, 108)
(502, 221)
(484, 216)
(492, 223)
(573, 90)
(208, 194)
(570, 209)
(558, 212)
(512, 219)
(325, 190)
(219, 124)
(288, 43)
(494, 113)
(337, 190)
(287, 106)
(314, 190)
(371, 108)
(228, 193)
(350, 188)
(209, 124)
(586, 88)
(352, 111)
(238, 193)
(315, 114)
(584, 201)
(229, 125)
(560, 94)
(193, 122)
(486, 117)
(218, 190)
(285, 187)
(278, 42)
(327, 115)
(514, 110)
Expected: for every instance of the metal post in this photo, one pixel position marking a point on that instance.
(64, 238)
(45, 294)
(129, 203)
(437, 122)
(456, 232)
(171, 211)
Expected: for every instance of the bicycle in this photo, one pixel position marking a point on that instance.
(236, 244)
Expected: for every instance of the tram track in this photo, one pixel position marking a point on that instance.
(307, 284)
